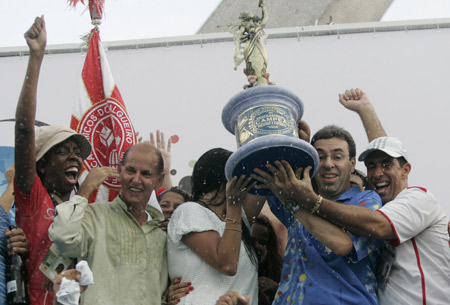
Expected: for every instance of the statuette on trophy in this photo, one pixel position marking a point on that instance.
(263, 118)
(249, 38)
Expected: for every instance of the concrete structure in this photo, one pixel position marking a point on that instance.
(293, 13)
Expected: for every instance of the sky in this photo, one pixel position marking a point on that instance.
(140, 19)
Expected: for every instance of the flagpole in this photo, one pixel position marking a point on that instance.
(100, 113)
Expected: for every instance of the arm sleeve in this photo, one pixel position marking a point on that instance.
(278, 210)
(411, 212)
(70, 230)
(363, 246)
(164, 283)
(28, 205)
(191, 217)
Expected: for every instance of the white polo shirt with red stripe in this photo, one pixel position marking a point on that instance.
(420, 273)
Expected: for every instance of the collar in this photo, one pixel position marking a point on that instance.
(349, 194)
(153, 212)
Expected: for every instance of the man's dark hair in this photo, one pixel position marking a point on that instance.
(333, 131)
(363, 177)
(402, 161)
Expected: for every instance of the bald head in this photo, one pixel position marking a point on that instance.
(141, 172)
(147, 148)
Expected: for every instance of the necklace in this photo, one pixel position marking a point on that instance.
(212, 210)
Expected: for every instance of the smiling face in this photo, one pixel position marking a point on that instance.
(60, 168)
(335, 167)
(140, 174)
(385, 175)
(169, 202)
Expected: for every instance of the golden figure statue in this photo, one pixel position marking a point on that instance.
(250, 44)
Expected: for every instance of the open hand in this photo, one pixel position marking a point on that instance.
(177, 290)
(236, 189)
(160, 144)
(163, 224)
(95, 178)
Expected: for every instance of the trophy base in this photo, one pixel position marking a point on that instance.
(268, 149)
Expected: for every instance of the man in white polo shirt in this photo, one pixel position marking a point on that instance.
(414, 224)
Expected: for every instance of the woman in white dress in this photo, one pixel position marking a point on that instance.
(209, 240)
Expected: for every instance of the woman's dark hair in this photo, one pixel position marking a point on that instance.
(175, 189)
(209, 176)
(271, 266)
(209, 173)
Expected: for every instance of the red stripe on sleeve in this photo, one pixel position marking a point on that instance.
(394, 243)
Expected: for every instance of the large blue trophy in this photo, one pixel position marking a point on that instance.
(263, 118)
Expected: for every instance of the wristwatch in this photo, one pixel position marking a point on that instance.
(291, 206)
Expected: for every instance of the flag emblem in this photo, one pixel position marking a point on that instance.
(108, 127)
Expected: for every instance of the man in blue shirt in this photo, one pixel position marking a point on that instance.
(323, 264)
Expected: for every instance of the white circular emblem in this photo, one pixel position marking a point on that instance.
(109, 130)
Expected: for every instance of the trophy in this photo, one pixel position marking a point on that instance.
(263, 117)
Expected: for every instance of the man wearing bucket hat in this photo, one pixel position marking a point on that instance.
(415, 268)
(48, 163)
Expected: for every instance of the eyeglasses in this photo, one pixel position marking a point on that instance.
(337, 157)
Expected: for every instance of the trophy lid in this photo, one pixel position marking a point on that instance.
(259, 96)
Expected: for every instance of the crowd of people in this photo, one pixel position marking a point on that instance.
(346, 238)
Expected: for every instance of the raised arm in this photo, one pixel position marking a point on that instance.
(160, 143)
(25, 160)
(357, 101)
(283, 182)
(95, 178)
(264, 16)
(222, 253)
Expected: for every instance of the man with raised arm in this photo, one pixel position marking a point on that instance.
(120, 240)
(417, 269)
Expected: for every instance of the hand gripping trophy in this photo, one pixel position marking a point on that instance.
(263, 118)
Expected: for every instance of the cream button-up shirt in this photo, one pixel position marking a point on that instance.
(129, 261)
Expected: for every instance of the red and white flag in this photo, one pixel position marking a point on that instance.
(101, 116)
